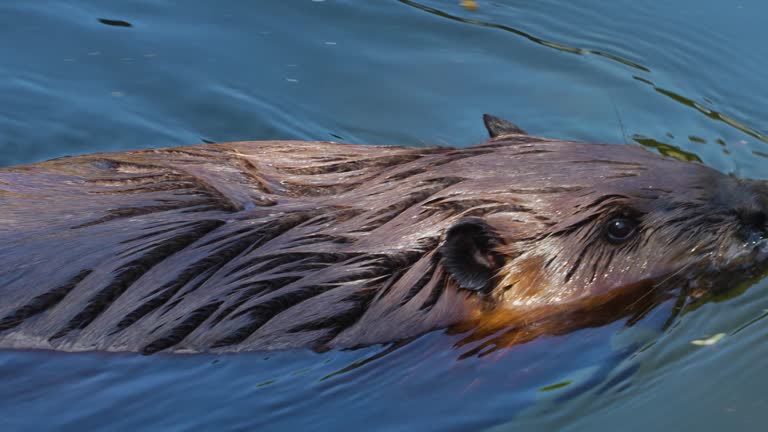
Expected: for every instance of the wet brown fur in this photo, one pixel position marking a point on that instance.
(283, 244)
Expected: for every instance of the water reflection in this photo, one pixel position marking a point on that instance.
(534, 39)
(666, 149)
(360, 363)
(714, 115)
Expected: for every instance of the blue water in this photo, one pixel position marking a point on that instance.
(684, 77)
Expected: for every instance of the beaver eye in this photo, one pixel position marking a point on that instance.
(620, 229)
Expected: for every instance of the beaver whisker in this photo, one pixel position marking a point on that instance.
(575, 265)
(661, 283)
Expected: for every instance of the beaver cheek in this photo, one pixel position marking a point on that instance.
(622, 280)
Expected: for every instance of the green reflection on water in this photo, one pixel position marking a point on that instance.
(666, 149)
(266, 383)
(556, 386)
(365, 361)
(301, 371)
(714, 115)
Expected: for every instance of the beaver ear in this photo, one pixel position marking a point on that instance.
(497, 126)
(469, 256)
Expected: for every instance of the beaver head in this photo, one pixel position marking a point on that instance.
(592, 223)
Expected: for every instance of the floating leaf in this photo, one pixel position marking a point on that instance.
(709, 341)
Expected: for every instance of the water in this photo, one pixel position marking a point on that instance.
(685, 77)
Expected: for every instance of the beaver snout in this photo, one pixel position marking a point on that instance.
(753, 219)
(737, 221)
(753, 227)
(750, 204)
(761, 250)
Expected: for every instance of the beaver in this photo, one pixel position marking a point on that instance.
(284, 244)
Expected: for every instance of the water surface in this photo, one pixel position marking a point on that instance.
(685, 78)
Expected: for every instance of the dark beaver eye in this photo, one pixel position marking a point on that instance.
(620, 229)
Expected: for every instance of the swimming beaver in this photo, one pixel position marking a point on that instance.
(280, 244)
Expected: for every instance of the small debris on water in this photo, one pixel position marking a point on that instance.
(709, 341)
(115, 23)
(556, 386)
(469, 4)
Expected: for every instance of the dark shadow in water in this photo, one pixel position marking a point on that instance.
(725, 292)
(115, 23)
(534, 39)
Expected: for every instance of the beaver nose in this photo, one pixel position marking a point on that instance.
(749, 200)
(753, 218)
(753, 222)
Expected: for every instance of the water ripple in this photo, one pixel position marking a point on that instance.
(530, 37)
